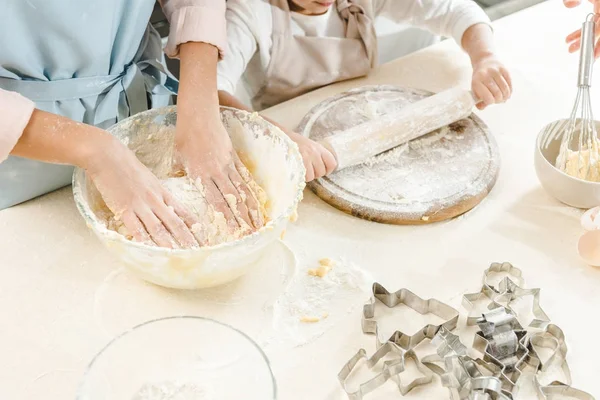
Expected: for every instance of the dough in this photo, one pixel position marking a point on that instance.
(213, 228)
(584, 164)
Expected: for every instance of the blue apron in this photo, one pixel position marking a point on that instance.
(93, 61)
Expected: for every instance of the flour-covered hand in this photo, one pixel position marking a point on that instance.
(491, 82)
(206, 153)
(318, 161)
(137, 198)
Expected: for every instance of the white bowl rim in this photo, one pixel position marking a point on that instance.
(85, 210)
(176, 317)
(538, 149)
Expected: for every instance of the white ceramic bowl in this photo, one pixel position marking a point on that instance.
(179, 358)
(567, 189)
(274, 161)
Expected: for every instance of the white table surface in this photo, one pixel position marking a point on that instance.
(58, 311)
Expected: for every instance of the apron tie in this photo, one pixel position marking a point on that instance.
(359, 26)
(134, 86)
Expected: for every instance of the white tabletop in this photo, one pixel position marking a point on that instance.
(62, 296)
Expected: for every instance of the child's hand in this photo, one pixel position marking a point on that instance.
(318, 161)
(491, 81)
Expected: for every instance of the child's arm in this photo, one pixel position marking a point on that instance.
(468, 24)
(243, 26)
(318, 161)
(491, 81)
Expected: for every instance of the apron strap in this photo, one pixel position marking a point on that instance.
(359, 26)
(134, 86)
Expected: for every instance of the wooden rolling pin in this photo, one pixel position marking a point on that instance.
(355, 145)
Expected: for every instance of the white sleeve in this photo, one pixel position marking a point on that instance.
(450, 18)
(241, 42)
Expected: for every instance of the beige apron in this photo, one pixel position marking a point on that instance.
(300, 64)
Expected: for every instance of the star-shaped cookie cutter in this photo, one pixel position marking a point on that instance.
(404, 296)
(512, 293)
(420, 381)
(470, 299)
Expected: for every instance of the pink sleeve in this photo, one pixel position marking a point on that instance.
(195, 21)
(15, 112)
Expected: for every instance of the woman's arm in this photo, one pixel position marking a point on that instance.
(16, 111)
(203, 145)
(195, 21)
(129, 189)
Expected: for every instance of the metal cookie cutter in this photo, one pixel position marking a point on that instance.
(558, 390)
(551, 338)
(503, 343)
(423, 380)
(469, 300)
(513, 292)
(463, 377)
(390, 368)
(515, 276)
(408, 298)
(448, 344)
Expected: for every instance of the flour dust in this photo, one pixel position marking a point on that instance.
(312, 304)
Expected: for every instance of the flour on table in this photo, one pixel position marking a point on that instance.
(174, 391)
(425, 174)
(311, 304)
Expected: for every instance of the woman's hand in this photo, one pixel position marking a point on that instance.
(574, 39)
(491, 81)
(136, 197)
(205, 152)
(129, 189)
(318, 161)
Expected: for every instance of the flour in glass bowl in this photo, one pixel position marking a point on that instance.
(174, 391)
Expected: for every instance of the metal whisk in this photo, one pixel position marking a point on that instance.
(579, 134)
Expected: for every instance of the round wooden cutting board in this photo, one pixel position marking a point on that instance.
(433, 178)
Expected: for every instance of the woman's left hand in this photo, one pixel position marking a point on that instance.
(205, 152)
(491, 82)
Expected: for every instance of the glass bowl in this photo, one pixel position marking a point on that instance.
(179, 358)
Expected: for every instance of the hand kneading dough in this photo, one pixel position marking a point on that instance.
(213, 228)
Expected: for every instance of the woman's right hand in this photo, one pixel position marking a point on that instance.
(137, 198)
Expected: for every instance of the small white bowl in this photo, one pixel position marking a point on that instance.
(567, 189)
(276, 164)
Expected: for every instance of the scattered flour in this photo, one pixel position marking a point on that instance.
(174, 391)
(311, 304)
(423, 174)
